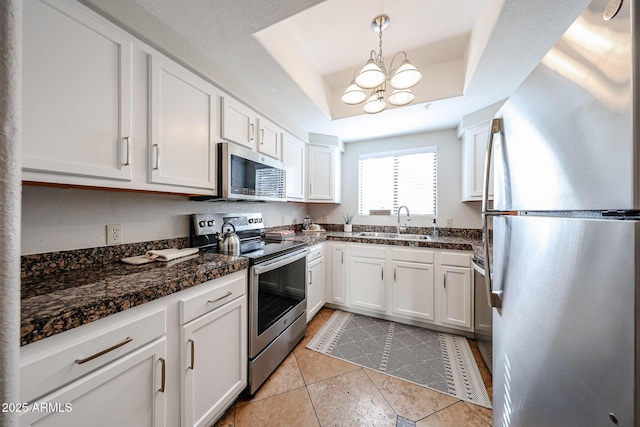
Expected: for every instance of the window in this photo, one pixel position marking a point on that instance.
(392, 179)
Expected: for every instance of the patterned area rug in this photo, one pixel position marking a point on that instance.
(436, 360)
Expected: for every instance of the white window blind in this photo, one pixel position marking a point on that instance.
(392, 179)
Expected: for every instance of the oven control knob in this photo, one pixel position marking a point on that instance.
(250, 220)
(202, 223)
(211, 223)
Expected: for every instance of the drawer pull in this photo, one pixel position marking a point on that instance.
(193, 354)
(103, 352)
(164, 375)
(221, 298)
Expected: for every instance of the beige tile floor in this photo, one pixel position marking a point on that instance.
(312, 389)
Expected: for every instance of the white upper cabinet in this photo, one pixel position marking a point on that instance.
(269, 140)
(182, 112)
(323, 174)
(474, 147)
(76, 93)
(293, 155)
(238, 123)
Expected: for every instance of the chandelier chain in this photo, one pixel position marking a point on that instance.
(380, 59)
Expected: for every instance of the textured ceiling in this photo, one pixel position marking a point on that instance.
(473, 53)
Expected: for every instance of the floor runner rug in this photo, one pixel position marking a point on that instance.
(439, 361)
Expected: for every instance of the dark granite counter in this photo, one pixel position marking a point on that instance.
(66, 299)
(64, 290)
(458, 243)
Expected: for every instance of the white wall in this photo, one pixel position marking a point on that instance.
(55, 219)
(464, 215)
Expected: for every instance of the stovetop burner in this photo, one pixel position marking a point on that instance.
(205, 229)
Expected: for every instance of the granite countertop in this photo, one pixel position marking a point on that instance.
(441, 242)
(55, 300)
(58, 302)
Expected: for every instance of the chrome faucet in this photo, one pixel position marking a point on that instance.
(408, 219)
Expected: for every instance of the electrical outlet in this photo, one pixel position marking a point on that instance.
(449, 222)
(114, 234)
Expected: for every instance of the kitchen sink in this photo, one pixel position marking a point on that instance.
(376, 235)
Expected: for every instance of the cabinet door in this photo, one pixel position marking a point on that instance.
(293, 155)
(76, 116)
(269, 139)
(127, 392)
(413, 290)
(338, 274)
(315, 288)
(182, 150)
(367, 283)
(214, 362)
(456, 298)
(321, 172)
(474, 147)
(238, 123)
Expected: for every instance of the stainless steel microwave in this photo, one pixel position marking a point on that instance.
(246, 175)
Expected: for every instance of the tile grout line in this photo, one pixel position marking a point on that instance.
(383, 396)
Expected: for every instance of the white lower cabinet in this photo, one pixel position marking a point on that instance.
(315, 281)
(135, 369)
(424, 285)
(213, 363)
(366, 279)
(338, 273)
(413, 290)
(456, 296)
(127, 392)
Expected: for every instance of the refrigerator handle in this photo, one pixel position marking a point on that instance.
(495, 299)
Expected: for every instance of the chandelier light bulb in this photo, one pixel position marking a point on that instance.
(406, 76)
(370, 76)
(353, 95)
(401, 97)
(374, 104)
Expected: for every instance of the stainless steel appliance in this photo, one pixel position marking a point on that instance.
(247, 175)
(565, 271)
(482, 317)
(276, 288)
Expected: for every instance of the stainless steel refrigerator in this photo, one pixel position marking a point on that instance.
(566, 231)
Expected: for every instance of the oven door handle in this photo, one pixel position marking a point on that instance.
(279, 262)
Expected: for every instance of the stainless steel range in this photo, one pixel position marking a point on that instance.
(277, 298)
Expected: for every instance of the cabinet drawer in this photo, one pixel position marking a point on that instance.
(50, 368)
(315, 252)
(412, 255)
(214, 294)
(368, 251)
(456, 259)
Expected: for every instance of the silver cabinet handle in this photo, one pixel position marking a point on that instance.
(261, 136)
(219, 299)
(342, 253)
(128, 140)
(103, 352)
(164, 375)
(310, 277)
(193, 354)
(251, 131)
(394, 274)
(497, 126)
(445, 280)
(382, 273)
(157, 157)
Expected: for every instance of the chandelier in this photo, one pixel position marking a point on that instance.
(374, 76)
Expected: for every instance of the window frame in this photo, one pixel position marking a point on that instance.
(399, 153)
